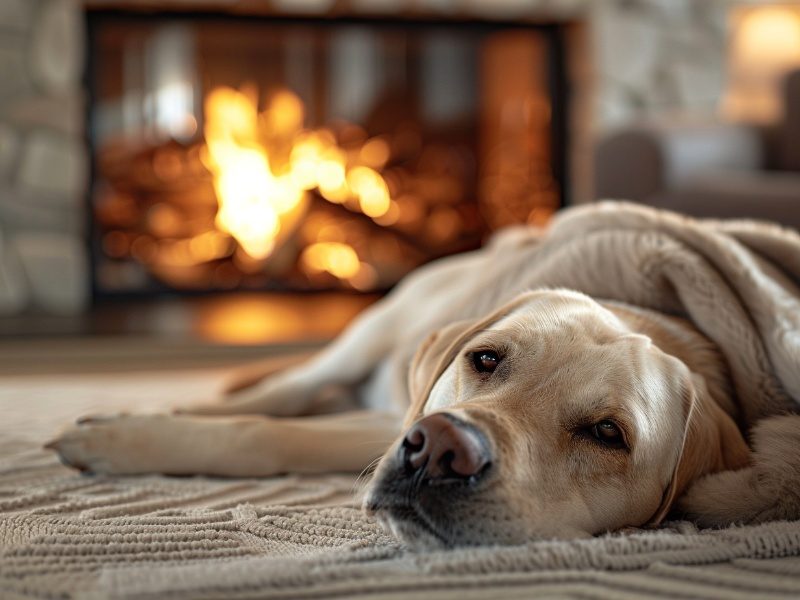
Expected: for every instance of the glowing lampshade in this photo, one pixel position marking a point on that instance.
(764, 46)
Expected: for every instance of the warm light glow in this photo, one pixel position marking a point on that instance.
(251, 199)
(209, 246)
(770, 35)
(765, 45)
(244, 319)
(331, 177)
(371, 190)
(284, 116)
(375, 153)
(263, 165)
(391, 216)
(340, 260)
(248, 321)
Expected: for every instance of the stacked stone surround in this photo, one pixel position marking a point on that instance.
(639, 58)
(43, 157)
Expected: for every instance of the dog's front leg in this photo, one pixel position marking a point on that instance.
(242, 446)
(346, 361)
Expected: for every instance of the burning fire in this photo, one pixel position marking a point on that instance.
(340, 260)
(264, 164)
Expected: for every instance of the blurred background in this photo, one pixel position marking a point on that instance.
(195, 183)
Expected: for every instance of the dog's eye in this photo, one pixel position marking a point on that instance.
(608, 433)
(485, 361)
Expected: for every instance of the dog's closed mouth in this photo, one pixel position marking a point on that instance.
(406, 521)
(457, 482)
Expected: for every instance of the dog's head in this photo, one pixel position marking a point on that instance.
(548, 418)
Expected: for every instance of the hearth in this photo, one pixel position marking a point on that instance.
(311, 154)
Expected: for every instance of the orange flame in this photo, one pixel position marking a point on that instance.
(340, 260)
(264, 165)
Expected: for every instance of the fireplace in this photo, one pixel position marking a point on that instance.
(312, 154)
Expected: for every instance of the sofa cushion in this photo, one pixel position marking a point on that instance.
(765, 195)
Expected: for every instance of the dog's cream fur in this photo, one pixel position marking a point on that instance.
(569, 360)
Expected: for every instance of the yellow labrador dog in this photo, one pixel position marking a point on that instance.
(500, 415)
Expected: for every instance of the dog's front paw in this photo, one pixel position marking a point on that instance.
(116, 444)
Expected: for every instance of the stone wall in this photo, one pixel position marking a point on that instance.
(43, 158)
(642, 58)
(658, 56)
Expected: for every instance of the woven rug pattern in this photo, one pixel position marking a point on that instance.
(64, 535)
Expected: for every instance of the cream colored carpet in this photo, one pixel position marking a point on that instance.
(63, 535)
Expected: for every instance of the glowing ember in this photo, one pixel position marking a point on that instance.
(264, 165)
(369, 186)
(340, 260)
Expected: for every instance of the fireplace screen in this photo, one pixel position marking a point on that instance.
(234, 153)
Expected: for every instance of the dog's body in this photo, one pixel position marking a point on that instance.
(526, 413)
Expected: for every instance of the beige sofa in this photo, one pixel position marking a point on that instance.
(712, 170)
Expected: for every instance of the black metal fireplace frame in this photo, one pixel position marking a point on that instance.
(558, 82)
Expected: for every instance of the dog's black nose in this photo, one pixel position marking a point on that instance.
(444, 447)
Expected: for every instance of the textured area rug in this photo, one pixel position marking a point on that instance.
(64, 535)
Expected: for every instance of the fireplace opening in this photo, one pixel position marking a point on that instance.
(260, 153)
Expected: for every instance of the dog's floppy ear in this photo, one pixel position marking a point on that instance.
(431, 359)
(438, 351)
(712, 442)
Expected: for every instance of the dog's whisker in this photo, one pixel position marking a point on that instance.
(365, 472)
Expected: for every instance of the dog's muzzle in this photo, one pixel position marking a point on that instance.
(440, 463)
